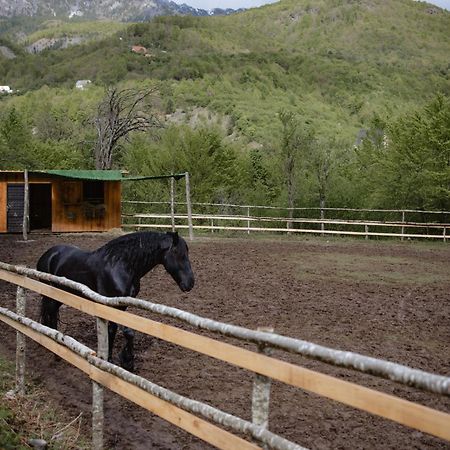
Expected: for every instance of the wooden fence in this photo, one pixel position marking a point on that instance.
(197, 418)
(245, 218)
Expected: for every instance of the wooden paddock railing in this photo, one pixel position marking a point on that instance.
(247, 222)
(196, 417)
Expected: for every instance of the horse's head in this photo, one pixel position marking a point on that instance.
(176, 262)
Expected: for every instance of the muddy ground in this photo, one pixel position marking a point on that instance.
(388, 300)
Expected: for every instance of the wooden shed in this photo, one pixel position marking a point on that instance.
(61, 200)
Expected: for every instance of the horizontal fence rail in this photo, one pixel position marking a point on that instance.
(136, 215)
(402, 411)
(231, 205)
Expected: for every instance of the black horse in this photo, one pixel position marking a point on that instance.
(115, 270)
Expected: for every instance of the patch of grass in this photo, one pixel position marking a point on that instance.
(58, 28)
(377, 269)
(33, 416)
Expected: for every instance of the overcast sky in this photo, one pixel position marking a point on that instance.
(235, 4)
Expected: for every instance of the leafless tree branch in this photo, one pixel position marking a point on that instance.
(120, 113)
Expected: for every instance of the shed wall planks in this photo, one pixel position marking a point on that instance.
(69, 212)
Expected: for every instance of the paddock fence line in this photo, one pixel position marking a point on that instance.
(215, 217)
(411, 414)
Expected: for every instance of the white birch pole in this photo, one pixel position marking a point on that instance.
(20, 343)
(97, 390)
(261, 391)
(189, 207)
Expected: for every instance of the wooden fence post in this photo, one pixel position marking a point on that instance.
(322, 217)
(403, 228)
(26, 205)
(261, 391)
(189, 207)
(97, 390)
(366, 228)
(248, 220)
(289, 220)
(172, 202)
(21, 300)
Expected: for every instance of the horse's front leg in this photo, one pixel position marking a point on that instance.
(49, 312)
(127, 354)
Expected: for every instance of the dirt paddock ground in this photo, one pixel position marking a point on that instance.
(388, 300)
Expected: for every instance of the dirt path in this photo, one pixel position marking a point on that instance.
(388, 300)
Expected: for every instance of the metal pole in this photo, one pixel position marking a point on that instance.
(188, 204)
(261, 391)
(26, 205)
(20, 343)
(97, 389)
(172, 202)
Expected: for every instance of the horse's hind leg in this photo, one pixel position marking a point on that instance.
(112, 330)
(49, 312)
(127, 353)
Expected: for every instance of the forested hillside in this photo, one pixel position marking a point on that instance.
(262, 106)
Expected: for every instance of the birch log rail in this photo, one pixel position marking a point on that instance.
(351, 360)
(407, 413)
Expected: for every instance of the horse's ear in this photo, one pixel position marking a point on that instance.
(175, 237)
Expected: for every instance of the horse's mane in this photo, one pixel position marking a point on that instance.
(139, 250)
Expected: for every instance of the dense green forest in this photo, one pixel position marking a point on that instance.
(339, 103)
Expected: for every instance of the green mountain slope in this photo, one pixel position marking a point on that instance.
(337, 62)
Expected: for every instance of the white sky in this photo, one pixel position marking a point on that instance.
(235, 4)
(442, 3)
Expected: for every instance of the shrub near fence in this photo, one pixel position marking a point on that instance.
(186, 411)
(214, 217)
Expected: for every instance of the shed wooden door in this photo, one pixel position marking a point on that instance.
(14, 207)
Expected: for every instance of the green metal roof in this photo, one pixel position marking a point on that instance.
(104, 175)
(101, 175)
(177, 176)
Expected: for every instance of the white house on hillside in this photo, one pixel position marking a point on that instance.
(82, 84)
(5, 90)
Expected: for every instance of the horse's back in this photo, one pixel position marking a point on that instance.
(66, 261)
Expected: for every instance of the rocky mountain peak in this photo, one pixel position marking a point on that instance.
(124, 10)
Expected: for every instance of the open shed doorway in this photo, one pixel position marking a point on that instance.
(40, 206)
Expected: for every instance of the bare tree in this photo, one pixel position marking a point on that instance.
(296, 142)
(118, 114)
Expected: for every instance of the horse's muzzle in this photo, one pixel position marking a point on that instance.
(187, 285)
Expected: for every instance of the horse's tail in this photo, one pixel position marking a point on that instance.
(49, 314)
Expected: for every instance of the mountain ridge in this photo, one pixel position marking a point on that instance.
(131, 10)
